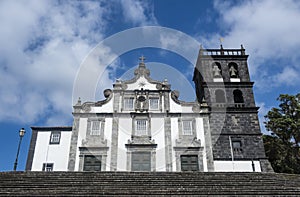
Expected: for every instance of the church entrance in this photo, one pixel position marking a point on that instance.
(189, 163)
(141, 161)
(92, 163)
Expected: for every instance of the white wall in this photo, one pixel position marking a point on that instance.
(51, 153)
(81, 135)
(200, 135)
(107, 136)
(106, 108)
(174, 107)
(158, 134)
(174, 136)
(236, 166)
(125, 127)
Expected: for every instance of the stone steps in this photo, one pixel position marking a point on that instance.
(145, 183)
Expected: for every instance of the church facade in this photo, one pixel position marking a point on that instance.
(143, 126)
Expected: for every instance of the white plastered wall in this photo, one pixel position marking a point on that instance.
(236, 166)
(200, 135)
(125, 127)
(106, 108)
(174, 136)
(58, 154)
(81, 136)
(158, 134)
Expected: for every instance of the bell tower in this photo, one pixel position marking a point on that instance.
(222, 80)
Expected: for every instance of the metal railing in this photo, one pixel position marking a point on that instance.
(221, 51)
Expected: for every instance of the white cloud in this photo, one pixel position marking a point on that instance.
(288, 76)
(268, 29)
(138, 12)
(263, 110)
(42, 46)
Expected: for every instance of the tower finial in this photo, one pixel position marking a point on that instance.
(221, 40)
(142, 58)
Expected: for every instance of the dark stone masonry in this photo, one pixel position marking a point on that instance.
(228, 91)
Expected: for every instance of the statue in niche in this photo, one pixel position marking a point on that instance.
(216, 71)
(233, 72)
(141, 103)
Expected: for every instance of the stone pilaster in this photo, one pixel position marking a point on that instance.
(114, 144)
(73, 145)
(168, 144)
(208, 145)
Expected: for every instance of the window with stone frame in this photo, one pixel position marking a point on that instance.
(141, 161)
(92, 163)
(55, 137)
(187, 127)
(128, 103)
(153, 103)
(189, 163)
(48, 167)
(95, 127)
(237, 146)
(238, 96)
(141, 127)
(220, 96)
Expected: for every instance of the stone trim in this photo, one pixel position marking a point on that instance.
(141, 71)
(168, 144)
(208, 145)
(53, 133)
(265, 165)
(116, 104)
(240, 159)
(73, 144)
(175, 96)
(114, 144)
(31, 149)
(188, 151)
(89, 125)
(127, 96)
(60, 128)
(141, 117)
(96, 151)
(159, 102)
(141, 148)
(180, 125)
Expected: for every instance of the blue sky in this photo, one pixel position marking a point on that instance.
(43, 44)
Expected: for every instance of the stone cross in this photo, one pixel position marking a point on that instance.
(142, 58)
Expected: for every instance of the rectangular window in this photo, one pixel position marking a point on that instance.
(48, 167)
(95, 128)
(92, 163)
(237, 146)
(55, 137)
(141, 127)
(187, 127)
(141, 161)
(189, 163)
(154, 103)
(128, 103)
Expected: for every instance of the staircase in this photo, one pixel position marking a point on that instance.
(147, 183)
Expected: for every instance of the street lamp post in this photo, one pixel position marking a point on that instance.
(21, 134)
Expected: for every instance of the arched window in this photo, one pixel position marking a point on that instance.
(233, 70)
(220, 96)
(238, 96)
(217, 70)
